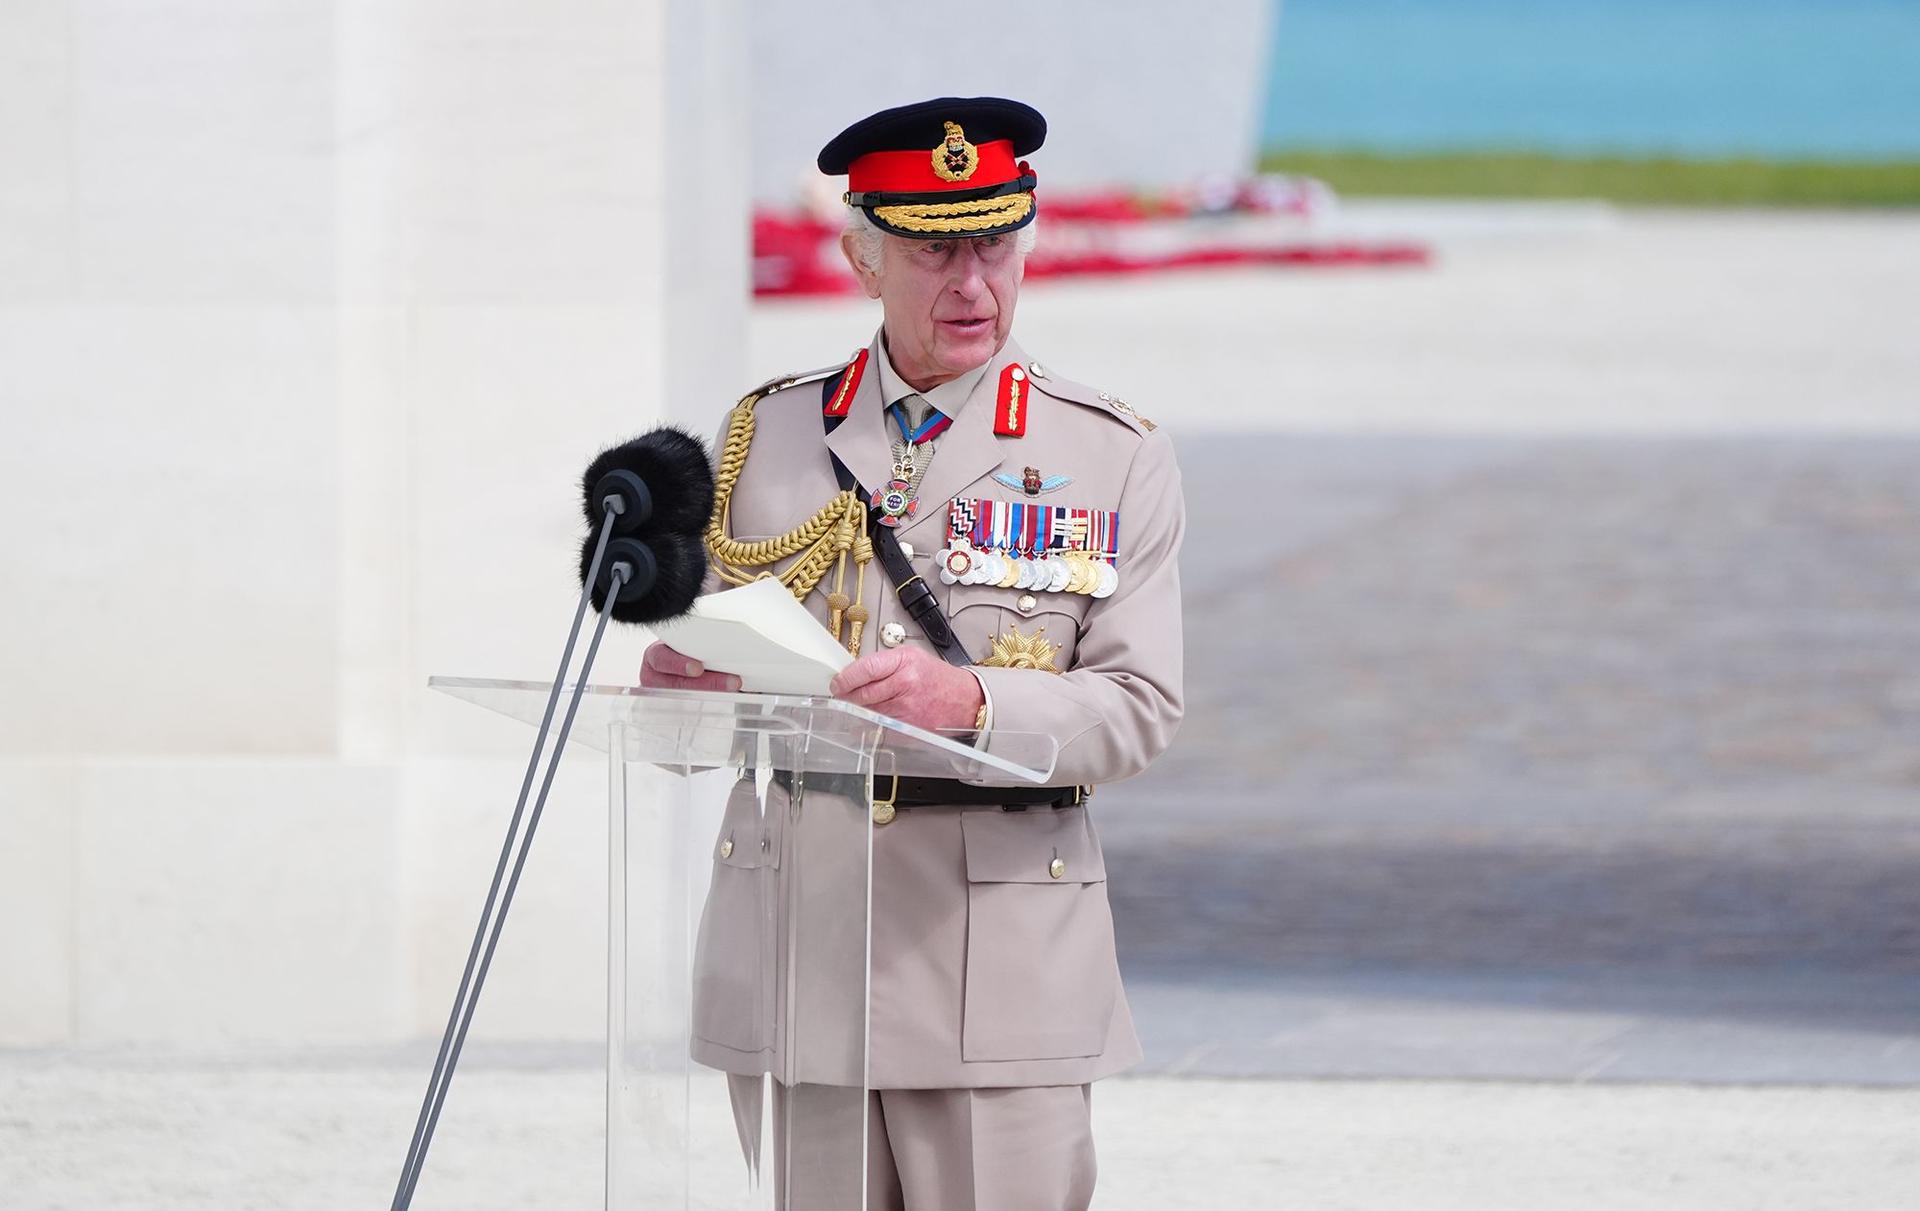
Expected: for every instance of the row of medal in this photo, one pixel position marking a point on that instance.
(1079, 572)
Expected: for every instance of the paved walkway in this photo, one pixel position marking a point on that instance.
(288, 1135)
(1535, 758)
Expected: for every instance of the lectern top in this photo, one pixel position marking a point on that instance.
(691, 728)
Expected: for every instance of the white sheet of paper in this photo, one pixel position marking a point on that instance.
(762, 635)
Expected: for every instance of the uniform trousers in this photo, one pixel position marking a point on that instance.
(1025, 1149)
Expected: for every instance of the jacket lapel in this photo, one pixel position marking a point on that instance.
(861, 440)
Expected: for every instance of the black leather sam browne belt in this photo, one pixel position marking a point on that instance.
(896, 791)
(924, 609)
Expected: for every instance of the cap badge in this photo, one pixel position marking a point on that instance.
(955, 159)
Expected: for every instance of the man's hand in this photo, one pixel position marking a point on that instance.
(913, 686)
(662, 668)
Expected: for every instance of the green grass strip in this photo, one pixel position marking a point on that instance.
(1629, 181)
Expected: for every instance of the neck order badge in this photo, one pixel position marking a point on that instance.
(898, 499)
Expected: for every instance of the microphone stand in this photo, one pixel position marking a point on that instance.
(487, 933)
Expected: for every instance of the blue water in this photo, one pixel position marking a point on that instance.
(1833, 79)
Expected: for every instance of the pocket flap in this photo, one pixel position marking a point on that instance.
(1023, 847)
(745, 848)
(961, 597)
(748, 840)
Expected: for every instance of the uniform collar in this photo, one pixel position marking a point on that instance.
(949, 397)
(968, 451)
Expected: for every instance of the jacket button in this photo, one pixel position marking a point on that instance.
(892, 635)
(1035, 369)
(883, 813)
(726, 848)
(1027, 604)
(1056, 868)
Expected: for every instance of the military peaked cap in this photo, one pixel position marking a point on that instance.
(942, 168)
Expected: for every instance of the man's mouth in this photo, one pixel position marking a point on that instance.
(968, 325)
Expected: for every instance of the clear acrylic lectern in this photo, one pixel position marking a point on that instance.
(739, 863)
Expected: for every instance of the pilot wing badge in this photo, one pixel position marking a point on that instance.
(1031, 481)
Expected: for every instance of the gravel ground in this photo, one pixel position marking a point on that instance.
(82, 1132)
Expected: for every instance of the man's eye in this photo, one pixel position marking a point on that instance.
(989, 241)
(935, 247)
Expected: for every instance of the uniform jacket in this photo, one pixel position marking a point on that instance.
(987, 970)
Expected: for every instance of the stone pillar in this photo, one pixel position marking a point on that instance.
(309, 319)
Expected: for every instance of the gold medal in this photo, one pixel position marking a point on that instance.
(1084, 576)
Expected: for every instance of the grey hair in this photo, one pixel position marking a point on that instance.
(868, 239)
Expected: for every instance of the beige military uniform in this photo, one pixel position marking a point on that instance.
(993, 962)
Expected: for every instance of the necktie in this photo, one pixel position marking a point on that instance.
(917, 420)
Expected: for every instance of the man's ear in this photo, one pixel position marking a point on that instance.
(869, 280)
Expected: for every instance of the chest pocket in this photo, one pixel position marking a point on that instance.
(1043, 628)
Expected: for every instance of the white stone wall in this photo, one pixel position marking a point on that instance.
(310, 315)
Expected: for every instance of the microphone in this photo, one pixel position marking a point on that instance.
(659, 489)
(663, 480)
(656, 493)
(657, 580)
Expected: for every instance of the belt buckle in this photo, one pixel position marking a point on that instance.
(883, 809)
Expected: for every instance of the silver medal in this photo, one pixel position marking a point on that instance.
(1109, 580)
(989, 570)
(975, 569)
(1059, 572)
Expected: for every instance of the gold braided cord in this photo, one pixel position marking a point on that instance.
(976, 215)
(857, 612)
(817, 544)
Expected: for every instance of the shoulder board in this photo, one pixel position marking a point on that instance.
(1079, 393)
(785, 381)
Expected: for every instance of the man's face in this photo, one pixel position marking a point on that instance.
(948, 304)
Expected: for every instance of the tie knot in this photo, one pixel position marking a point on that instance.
(917, 420)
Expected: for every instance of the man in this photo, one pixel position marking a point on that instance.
(1047, 518)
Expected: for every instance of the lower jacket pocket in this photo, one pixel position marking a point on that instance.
(1041, 977)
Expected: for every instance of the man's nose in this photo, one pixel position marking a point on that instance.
(969, 280)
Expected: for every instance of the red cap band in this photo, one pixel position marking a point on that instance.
(912, 171)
